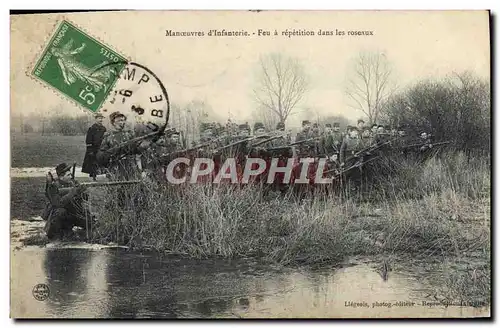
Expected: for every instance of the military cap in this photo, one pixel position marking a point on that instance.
(350, 128)
(280, 125)
(258, 125)
(62, 168)
(374, 125)
(335, 124)
(244, 127)
(328, 125)
(361, 120)
(113, 116)
(305, 122)
(315, 125)
(98, 115)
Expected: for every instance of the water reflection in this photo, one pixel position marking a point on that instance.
(120, 284)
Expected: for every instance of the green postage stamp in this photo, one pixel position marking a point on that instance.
(79, 66)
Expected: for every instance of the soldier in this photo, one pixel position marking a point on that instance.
(401, 140)
(121, 161)
(305, 133)
(65, 204)
(328, 129)
(337, 136)
(315, 131)
(366, 138)
(361, 125)
(381, 135)
(259, 129)
(374, 130)
(244, 130)
(327, 147)
(348, 158)
(93, 142)
(174, 141)
(282, 141)
(350, 145)
(280, 126)
(303, 148)
(426, 141)
(151, 152)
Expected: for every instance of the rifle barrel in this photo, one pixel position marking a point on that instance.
(110, 183)
(137, 139)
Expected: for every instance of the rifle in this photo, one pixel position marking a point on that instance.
(73, 171)
(99, 184)
(430, 143)
(109, 183)
(278, 148)
(373, 147)
(153, 135)
(182, 151)
(305, 140)
(236, 143)
(269, 139)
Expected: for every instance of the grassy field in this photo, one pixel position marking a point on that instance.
(35, 150)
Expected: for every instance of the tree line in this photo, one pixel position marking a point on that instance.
(455, 108)
(62, 124)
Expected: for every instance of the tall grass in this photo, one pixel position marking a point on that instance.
(424, 207)
(438, 208)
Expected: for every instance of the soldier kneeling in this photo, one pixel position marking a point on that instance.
(65, 208)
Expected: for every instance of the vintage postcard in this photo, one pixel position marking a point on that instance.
(250, 164)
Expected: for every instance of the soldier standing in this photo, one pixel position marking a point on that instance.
(331, 140)
(93, 142)
(284, 140)
(366, 138)
(304, 134)
(315, 131)
(348, 158)
(361, 125)
(65, 204)
(350, 146)
(374, 130)
(121, 159)
(259, 129)
(244, 130)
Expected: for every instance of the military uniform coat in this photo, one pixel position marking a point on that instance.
(93, 142)
(124, 166)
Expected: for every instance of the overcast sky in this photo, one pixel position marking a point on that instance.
(220, 70)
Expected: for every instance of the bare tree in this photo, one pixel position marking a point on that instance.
(369, 84)
(281, 84)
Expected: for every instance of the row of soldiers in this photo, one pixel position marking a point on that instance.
(122, 159)
(126, 154)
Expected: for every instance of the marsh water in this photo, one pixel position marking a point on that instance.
(117, 283)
